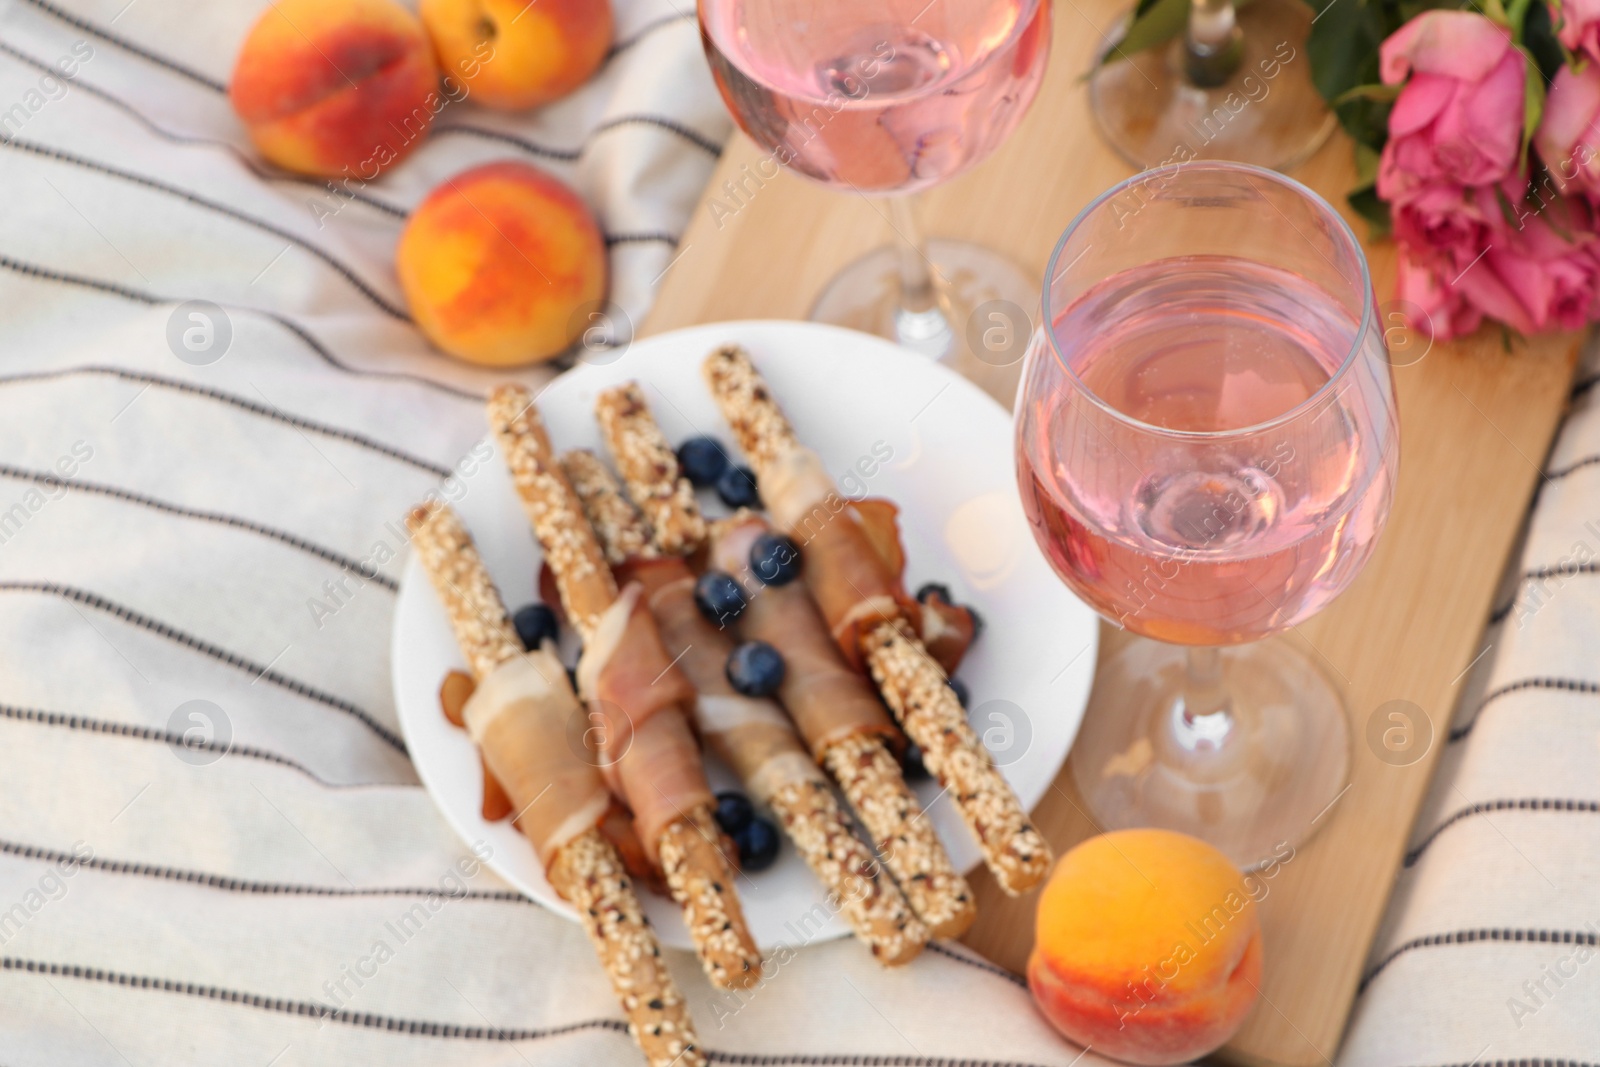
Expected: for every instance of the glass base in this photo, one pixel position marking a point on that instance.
(1267, 112)
(980, 327)
(1253, 786)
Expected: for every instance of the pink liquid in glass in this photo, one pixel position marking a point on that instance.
(862, 95)
(1189, 538)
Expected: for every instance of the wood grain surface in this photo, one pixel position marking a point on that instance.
(1476, 419)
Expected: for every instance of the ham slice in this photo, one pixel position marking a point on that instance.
(827, 699)
(854, 567)
(752, 736)
(519, 716)
(636, 725)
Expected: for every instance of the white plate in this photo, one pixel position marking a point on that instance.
(853, 398)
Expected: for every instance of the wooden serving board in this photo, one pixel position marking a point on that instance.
(1476, 420)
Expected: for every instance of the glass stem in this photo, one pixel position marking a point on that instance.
(916, 277)
(1213, 43)
(1207, 709)
(919, 321)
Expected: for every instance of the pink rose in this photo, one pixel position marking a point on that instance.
(1580, 26)
(1458, 121)
(1569, 130)
(1532, 277)
(1446, 311)
(1535, 279)
(1445, 224)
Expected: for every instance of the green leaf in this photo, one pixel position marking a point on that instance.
(1380, 92)
(1367, 159)
(1343, 48)
(1532, 98)
(1539, 37)
(1366, 204)
(1516, 14)
(1508, 210)
(1153, 24)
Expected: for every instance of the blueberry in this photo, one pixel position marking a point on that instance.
(961, 690)
(734, 812)
(911, 764)
(702, 460)
(718, 597)
(758, 845)
(755, 669)
(977, 621)
(737, 488)
(775, 559)
(536, 624)
(935, 588)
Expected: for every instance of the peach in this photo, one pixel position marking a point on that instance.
(498, 263)
(513, 54)
(1147, 947)
(336, 88)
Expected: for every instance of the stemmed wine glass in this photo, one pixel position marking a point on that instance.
(1206, 448)
(885, 98)
(1236, 84)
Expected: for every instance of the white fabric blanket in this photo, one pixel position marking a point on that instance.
(196, 577)
(212, 904)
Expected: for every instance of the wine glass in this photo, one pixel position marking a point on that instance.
(1206, 449)
(885, 98)
(1235, 84)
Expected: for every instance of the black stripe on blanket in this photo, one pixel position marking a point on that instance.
(241, 885)
(327, 555)
(647, 29)
(1484, 807)
(128, 46)
(1519, 1063)
(245, 159)
(1571, 468)
(976, 964)
(1568, 685)
(1469, 937)
(95, 166)
(368, 1020)
(233, 659)
(133, 732)
(139, 296)
(1541, 574)
(571, 155)
(310, 1009)
(833, 1059)
(273, 413)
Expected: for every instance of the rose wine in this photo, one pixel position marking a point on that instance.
(1222, 518)
(863, 95)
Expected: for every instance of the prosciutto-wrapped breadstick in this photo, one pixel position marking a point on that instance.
(839, 714)
(866, 611)
(751, 735)
(637, 700)
(519, 715)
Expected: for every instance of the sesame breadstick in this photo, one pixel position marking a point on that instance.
(871, 779)
(802, 495)
(649, 469)
(755, 739)
(839, 714)
(584, 870)
(622, 535)
(589, 876)
(866, 771)
(651, 754)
